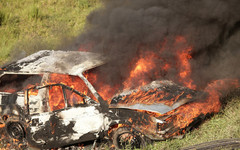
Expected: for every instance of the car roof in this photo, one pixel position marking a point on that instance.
(63, 62)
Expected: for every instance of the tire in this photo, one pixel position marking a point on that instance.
(13, 134)
(124, 138)
(15, 130)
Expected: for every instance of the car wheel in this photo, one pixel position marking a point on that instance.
(124, 138)
(15, 130)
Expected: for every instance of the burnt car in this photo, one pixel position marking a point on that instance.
(56, 115)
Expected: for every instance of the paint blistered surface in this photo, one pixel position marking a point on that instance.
(87, 119)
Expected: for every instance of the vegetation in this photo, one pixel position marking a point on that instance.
(30, 25)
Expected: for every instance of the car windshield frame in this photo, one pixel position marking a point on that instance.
(64, 95)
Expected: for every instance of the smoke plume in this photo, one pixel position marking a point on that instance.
(124, 29)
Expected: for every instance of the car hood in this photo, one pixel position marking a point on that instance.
(157, 107)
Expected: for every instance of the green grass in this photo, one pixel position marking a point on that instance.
(224, 125)
(31, 25)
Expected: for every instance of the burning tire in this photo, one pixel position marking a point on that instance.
(15, 130)
(124, 138)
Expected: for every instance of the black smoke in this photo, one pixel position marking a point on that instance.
(122, 29)
(125, 29)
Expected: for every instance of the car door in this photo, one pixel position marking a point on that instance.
(79, 121)
(38, 128)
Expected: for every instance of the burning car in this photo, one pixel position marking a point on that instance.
(37, 111)
(31, 117)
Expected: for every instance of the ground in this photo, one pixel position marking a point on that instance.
(29, 26)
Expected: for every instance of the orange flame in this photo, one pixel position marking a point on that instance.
(186, 114)
(143, 65)
(184, 67)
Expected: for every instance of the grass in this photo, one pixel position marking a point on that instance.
(31, 25)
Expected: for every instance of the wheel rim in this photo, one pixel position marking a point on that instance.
(128, 139)
(15, 130)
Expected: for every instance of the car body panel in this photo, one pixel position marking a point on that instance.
(63, 127)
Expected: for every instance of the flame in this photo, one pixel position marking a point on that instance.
(2, 125)
(143, 66)
(186, 114)
(143, 69)
(185, 68)
(105, 90)
(56, 99)
(33, 92)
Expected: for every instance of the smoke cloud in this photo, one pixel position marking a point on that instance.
(124, 29)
